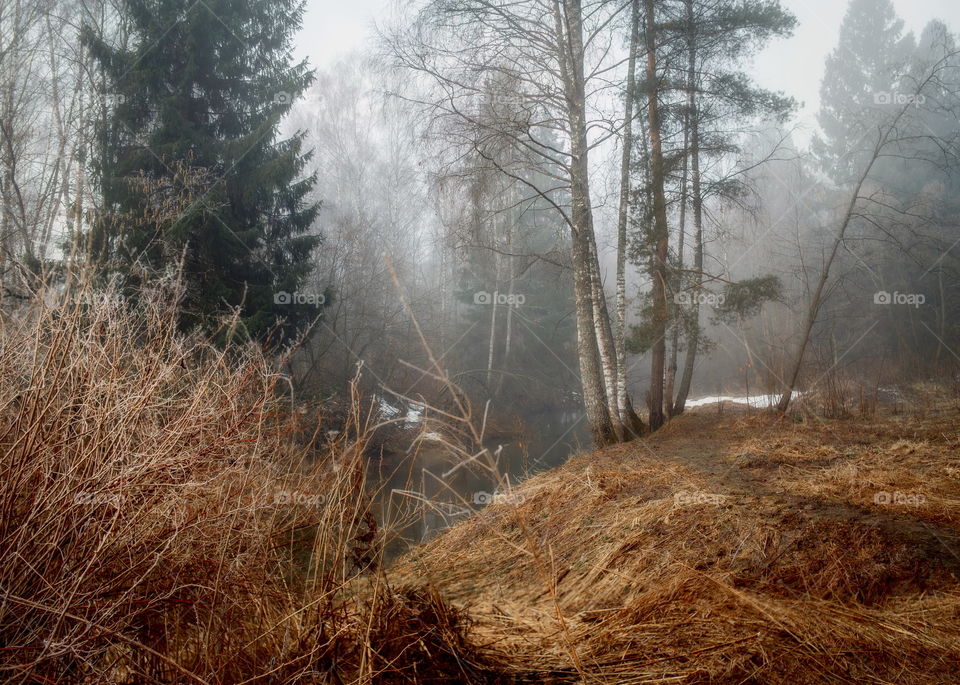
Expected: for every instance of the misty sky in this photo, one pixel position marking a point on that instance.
(335, 27)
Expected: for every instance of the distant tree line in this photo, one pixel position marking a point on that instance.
(567, 203)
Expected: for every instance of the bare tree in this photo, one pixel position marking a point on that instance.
(627, 144)
(557, 52)
(898, 136)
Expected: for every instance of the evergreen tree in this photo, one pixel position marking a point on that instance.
(197, 100)
(860, 79)
(880, 88)
(708, 102)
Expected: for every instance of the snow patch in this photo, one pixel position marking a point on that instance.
(414, 413)
(387, 409)
(757, 401)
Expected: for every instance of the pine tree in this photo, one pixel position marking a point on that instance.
(860, 79)
(705, 98)
(196, 104)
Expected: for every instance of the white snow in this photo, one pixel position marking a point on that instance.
(387, 409)
(761, 401)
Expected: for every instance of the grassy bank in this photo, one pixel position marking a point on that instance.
(165, 517)
(724, 549)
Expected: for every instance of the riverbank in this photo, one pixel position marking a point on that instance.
(167, 522)
(738, 548)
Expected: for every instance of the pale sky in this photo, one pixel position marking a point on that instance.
(333, 28)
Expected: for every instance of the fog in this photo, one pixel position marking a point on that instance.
(774, 210)
(574, 341)
(793, 65)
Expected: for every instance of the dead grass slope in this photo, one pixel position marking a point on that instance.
(723, 549)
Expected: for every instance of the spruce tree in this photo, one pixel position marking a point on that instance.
(195, 103)
(859, 82)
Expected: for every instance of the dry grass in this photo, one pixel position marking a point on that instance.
(737, 549)
(164, 521)
(166, 518)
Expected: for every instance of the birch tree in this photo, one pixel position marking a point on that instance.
(557, 51)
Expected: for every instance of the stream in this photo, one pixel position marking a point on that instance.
(424, 490)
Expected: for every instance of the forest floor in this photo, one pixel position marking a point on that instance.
(742, 547)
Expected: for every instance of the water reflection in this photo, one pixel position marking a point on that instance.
(426, 489)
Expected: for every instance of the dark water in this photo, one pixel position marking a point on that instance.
(427, 489)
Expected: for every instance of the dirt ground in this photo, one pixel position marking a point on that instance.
(742, 547)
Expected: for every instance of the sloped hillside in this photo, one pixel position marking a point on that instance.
(724, 549)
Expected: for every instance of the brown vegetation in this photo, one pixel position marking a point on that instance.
(163, 520)
(743, 548)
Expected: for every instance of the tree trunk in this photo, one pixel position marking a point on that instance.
(508, 333)
(681, 235)
(570, 38)
(594, 395)
(623, 400)
(493, 312)
(661, 235)
(696, 202)
(605, 341)
(817, 300)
